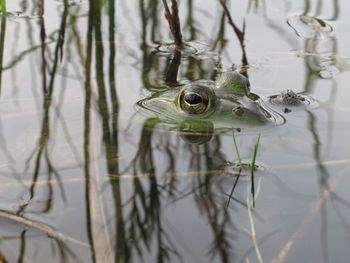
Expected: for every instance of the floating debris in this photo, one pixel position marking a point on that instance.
(289, 99)
(309, 26)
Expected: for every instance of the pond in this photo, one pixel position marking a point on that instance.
(100, 162)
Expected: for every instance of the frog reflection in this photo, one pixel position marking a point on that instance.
(196, 131)
(226, 103)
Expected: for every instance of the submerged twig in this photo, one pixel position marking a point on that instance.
(251, 202)
(325, 195)
(250, 205)
(174, 22)
(50, 231)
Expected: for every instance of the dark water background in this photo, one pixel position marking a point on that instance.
(84, 179)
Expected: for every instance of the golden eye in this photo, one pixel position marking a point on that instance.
(196, 99)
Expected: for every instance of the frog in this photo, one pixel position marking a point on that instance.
(223, 104)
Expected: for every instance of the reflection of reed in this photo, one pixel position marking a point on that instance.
(220, 41)
(110, 126)
(160, 70)
(122, 252)
(318, 8)
(42, 153)
(151, 60)
(146, 203)
(87, 125)
(215, 211)
(318, 63)
(22, 247)
(239, 33)
(256, 5)
(41, 11)
(190, 21)
(327, 186)
(43, 141)
(2, 37)
(145, 218)
(323, 183)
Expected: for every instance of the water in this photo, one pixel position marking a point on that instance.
(86, 176)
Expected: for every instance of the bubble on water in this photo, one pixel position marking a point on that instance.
(309, 27)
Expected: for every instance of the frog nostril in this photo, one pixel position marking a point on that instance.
(192, 98)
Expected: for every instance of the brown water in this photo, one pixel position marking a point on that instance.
(86, 176)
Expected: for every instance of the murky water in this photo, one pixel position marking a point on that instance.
(87, 175)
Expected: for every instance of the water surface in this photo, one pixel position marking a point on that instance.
(87, 176)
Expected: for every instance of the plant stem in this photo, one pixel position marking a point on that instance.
(251, 202)
(252, 229)
(3, 8)
(252, 167)
(174, 22)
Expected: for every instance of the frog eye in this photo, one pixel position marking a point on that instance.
(192, 98)
(196, 99)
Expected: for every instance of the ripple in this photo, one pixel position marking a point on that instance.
(70, 2)
(309, 27)
(273, 116)
(189, 48)
(235, 168)
(19, 15)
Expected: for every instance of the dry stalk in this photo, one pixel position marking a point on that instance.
(174, 22)
(48, 230)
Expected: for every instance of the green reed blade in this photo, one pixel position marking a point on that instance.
(252, 167)
(3, 7)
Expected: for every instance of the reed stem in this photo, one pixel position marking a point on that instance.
(174, 22)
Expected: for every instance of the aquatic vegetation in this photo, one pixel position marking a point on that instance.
(3, 7)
